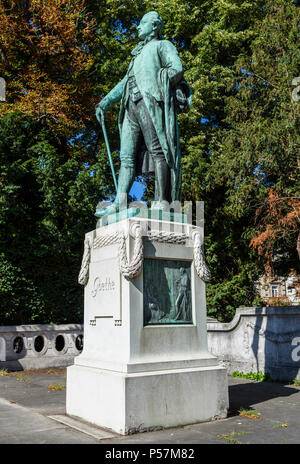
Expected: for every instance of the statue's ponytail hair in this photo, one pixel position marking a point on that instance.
(157, 23)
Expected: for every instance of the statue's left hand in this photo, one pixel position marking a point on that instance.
(180, 95)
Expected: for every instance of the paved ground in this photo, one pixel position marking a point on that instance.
(28, 398)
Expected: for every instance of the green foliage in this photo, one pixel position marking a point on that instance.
(249, 413)
(296, 383)
(262, 126)
(258, 376)
(47, 201)
(20, 301)
(56, 387)
(228, 439)
(279, 426)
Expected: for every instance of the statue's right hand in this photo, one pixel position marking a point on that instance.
(100, 112)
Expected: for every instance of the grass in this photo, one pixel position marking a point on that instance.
(263, 377)
(22, 378)
(58, 371)
(51, 371)
(26, 378)
(258, 376)
(54, 372)
(228, 437)
(296, 383)
(277, 426)
(249, 413)
(56, 387)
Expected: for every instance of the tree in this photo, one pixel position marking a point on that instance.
(52, 174)
(47, 203)
(46, 59)
(278, 221)
(263, 133)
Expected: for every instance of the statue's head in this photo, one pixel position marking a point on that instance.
(151, 25)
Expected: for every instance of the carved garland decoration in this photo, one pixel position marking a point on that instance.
(84, 271)
(199, 259)
(132, 269)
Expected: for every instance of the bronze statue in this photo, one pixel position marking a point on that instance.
(152, 93)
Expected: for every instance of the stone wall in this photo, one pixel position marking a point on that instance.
(259, 339)
(39, 346)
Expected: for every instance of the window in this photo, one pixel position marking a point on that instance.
(275, 290)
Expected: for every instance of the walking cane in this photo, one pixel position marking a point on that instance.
(108, 150)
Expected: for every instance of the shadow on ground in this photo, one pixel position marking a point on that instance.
(246, 395)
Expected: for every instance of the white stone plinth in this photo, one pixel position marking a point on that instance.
(131, 377)
(128, 403)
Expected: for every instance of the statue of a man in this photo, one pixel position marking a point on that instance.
(151, 94)
(182, 303)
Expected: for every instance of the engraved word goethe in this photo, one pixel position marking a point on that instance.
(102, 285)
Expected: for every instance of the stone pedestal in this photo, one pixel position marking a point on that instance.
(141, 370)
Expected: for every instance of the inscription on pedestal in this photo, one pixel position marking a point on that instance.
(167, 292)
(104, 292)
(102, 285)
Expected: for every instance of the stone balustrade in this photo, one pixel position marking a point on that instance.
(39, 346)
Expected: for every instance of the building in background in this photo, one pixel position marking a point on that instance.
(279, 291)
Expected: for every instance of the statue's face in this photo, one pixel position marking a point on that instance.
(145, 28)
